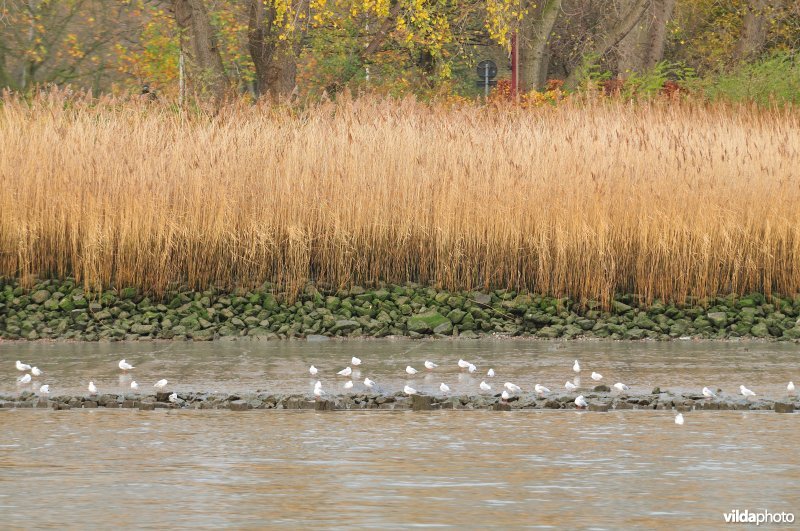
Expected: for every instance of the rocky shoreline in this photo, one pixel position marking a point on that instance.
(600, 400)
(62, 310)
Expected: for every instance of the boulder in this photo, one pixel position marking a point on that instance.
(421, 402)
(427, 322)
(239, 405)
(38, 297)
(345, 325)
(718, 319)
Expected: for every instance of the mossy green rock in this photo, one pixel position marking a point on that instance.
(206, 334)
(718, 319)
(127, 293)
(792, 333)
(549, 332)
(634, 333)
(426, 322)
(40, 296)
(444, 329)
(345, 325)
(760, 330)
(66, 304)
(620, 307)
(142, 329)
(456, 316)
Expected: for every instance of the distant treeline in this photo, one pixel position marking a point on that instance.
(218, 48)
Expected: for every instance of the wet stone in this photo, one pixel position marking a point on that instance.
(147, 406)
(783, 407)
(325, 405)
(162, 396)
(294, 403)
(598, 407)
(602, 388)
(239, 405)
(421, 403)
(90, 404)
(502, 406)
(113, 405)
(130, 404)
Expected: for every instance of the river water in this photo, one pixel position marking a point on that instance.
(392, 470)
(282, 366)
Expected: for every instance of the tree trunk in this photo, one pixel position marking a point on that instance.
(611, 38)
(534, 44)
(754, 31)
(199, 44)
(275, 59)
(643, 47)
(662, 14)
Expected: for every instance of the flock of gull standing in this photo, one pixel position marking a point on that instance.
(44, 390)
(509, 389)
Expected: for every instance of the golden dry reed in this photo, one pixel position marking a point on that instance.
(663, 200)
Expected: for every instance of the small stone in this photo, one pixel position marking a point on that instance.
(421, 402)
(599, 407)
(718, 319)
(40, 296)
(502, 406)
(783, 407)
(325, 405)
(239, 405)
(602, 388)
(162, 396)
(147, 406)
(90, 404)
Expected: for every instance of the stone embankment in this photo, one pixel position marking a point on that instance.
(61, 310)
(599, 400)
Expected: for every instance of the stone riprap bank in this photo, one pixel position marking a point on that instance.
(62, 310)
(600, 399)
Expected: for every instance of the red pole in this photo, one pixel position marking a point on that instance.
(514, 67)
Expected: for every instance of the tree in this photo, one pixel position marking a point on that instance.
(66, 41)
(535, 31)
(274, 41)
(617, 29)
(754, 30)
(199, 44)
(644, 46)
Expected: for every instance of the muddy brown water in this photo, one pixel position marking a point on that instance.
(183, 469)
(392, 470)
(282, 366)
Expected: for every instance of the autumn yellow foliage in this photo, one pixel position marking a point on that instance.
(664, 199)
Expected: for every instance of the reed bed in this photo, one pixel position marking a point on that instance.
(584, 199)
